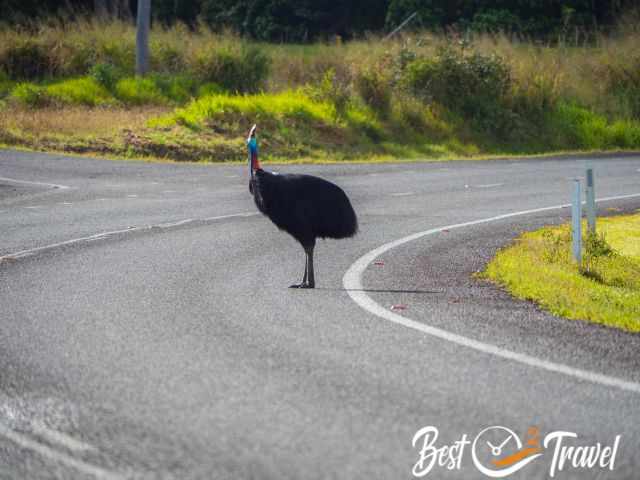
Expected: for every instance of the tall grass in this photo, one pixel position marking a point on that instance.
(418, 94)
(602, 76)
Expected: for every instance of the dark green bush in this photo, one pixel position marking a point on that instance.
(494, 21)
(474, 85)
(458, 80)
(245, 71)
(106, 75)
(6, 85)
(177, 88)
(26, 60)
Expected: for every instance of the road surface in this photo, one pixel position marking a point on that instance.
(147, 330)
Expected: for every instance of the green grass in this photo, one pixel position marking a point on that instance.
(139, 91)
(80, 91)
(604, 289)
(577, 127)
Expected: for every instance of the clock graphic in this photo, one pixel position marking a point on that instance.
(498, 451)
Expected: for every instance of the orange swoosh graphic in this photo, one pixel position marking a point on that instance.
(511, 459)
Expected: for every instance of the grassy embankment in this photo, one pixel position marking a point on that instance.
(422, 96)
(605, 289)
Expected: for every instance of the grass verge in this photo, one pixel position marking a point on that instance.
(605, 289)
(294, 126)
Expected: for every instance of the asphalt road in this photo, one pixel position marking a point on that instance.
(147, 331)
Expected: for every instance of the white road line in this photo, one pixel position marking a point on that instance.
(28, 182)
(99, 236)
(221, 217)
(490, 185)
(61, 438)
(175, 224)
(401, 194)
(352, 282)
(60, 457)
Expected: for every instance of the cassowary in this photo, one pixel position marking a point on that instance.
(304, 206)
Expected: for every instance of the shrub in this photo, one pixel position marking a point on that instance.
(576, 127)
(209, 88)
(624, 83)
(178, 88)
(139, 91)
(375, 90)
(25, 60)
(410, 114)
(80, 91)
(30, 95)
(459, 81)
(473, 85)
(332, 90)
(77, 58)
(536, 96)
(106, 75)
(119, 53)
(167, 58)
(257, 66)
(6, 85)
(242, 72)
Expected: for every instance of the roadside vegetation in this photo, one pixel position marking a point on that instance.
(71, 87)
(604, 289)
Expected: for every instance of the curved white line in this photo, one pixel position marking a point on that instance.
(28, 182)
(80, 465)
(100, 236)
(352, 282)
(61, 438)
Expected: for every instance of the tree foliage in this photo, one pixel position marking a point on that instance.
(307, 20)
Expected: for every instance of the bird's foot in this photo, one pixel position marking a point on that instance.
(303, 285)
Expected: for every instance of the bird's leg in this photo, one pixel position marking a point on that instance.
(308, 281)
(311, 281)
(304, 278)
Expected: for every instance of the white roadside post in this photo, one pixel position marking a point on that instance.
(576, 219)
(591, 200)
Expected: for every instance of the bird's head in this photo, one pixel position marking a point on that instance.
(252, 144)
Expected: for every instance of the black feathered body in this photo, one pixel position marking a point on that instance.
(304, 206)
